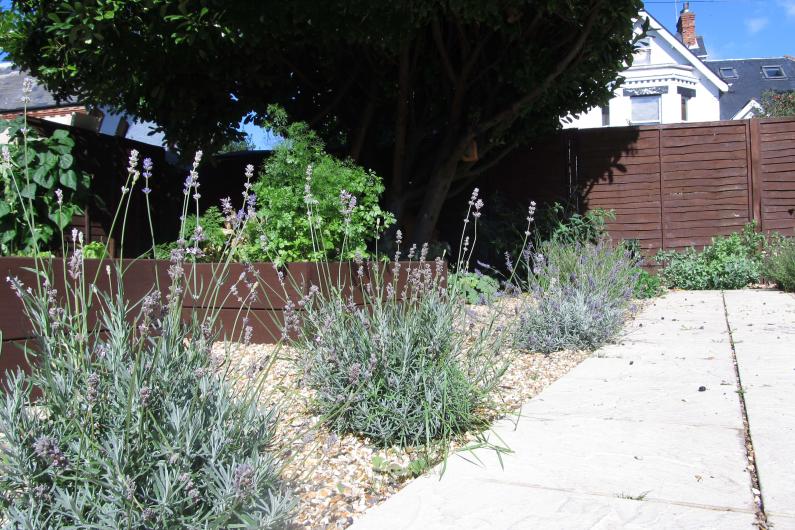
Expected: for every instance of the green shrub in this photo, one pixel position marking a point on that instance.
(213, 240)
(285, 230)
(557, 223)
(580, 296)
(730, 262)
(42, 188)
(648, 285)
(779, 263)
(475, 287)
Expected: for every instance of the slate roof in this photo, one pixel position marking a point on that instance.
(700, 50)
(11, 91)
(751, 82)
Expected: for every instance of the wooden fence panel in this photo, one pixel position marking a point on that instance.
(776, 167)
(705, 188)
(619, 170)
(671, 186)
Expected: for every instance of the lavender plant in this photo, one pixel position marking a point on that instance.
(580, 294)
(407, 367)
(126, 420)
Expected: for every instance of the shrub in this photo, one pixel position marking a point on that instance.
(779, 263)
(406, 370)
(284, 228)
(134, 425)
(580, 296)
(648, 285)
(730, 262)
(44, 189)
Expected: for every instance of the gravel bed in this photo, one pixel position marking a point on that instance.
(333, 476)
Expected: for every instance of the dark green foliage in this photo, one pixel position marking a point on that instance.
(777, 104)
(557, 223)
(475, 287)
(38, 166)
(730, 262)
(215, 238)
(408, 86)
(288, 230)
(779, 263)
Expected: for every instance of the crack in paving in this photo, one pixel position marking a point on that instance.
(753, 471)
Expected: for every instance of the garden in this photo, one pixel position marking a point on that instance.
(382, 361)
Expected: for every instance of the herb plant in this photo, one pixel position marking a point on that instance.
(779, 263)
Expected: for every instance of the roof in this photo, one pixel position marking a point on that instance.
(688, 53)
(750, 82)
(699, 50)
(11, 80)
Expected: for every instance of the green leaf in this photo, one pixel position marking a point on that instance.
(69, 179)
(5, 209)
(66, 161)
(60, 134)
(44, 177)
(29, 191)
(7, 235)
(62, 217)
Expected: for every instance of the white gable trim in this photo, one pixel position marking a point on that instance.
(697, 63)
(748, 110)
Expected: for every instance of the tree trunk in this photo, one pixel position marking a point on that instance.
(432, 202)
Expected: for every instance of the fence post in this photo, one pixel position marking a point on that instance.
(755, 172)
(660, 193)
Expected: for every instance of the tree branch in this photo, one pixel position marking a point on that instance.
(514, 108)
(440, 47)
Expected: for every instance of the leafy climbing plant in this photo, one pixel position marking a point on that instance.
(45, 190)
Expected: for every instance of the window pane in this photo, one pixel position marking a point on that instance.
(642, 56)
(645, 109)
(728, 73)
(772, 72)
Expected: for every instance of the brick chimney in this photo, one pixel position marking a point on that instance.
(686, 26)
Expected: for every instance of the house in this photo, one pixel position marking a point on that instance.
(748, 79)
(70, 111)
(668, 82)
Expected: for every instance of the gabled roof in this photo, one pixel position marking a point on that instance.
(686, 52)
(751, 82)
(11, 80)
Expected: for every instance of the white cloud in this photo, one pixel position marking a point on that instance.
(757, 24)
(789, 7)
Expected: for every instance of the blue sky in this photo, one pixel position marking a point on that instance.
(732, 29)
(736, 29)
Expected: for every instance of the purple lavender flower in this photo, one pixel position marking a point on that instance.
(243, 480)
(59, 196)
(47, 449)
(144, 396)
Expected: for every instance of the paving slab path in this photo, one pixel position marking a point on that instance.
(647, 433)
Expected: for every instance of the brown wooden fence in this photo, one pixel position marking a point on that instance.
(671, 186)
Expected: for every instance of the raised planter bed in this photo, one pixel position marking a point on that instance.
(265, 313)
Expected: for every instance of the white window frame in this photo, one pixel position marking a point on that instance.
(647, 122)
(733, 70)
(780, 68)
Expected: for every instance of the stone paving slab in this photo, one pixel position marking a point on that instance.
(763, 326)
(473, 504)
(608, 430)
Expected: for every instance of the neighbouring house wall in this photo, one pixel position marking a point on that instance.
(659, 68)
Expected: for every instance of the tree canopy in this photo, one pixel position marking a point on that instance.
(431, 93)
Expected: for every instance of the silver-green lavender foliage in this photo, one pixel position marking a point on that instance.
(133, 429)
(399, 373)
(132, 423)
(581, 294)
(411, 368)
